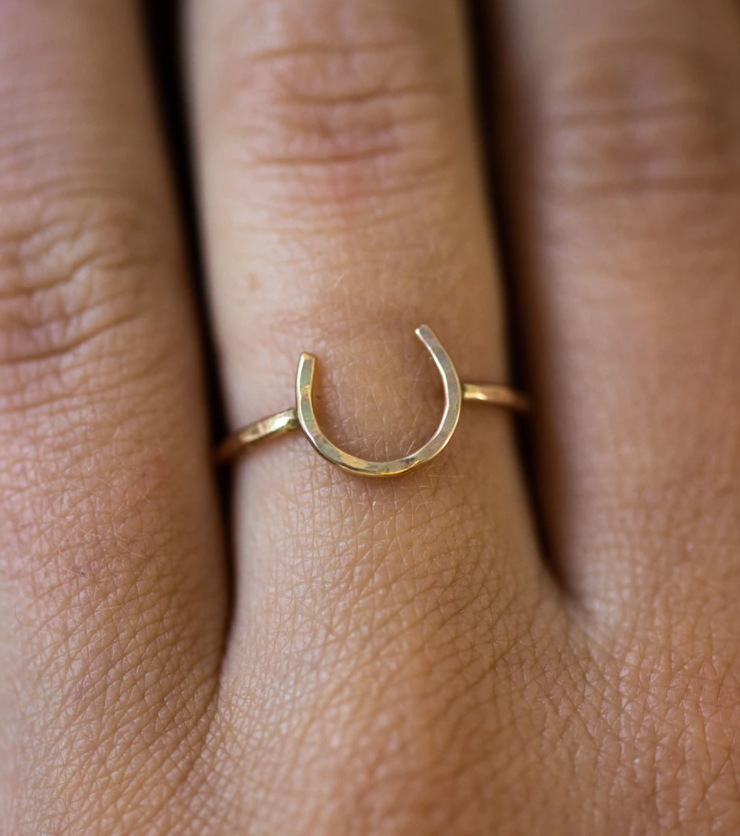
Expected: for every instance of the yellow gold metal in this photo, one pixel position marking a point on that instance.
(497, 395)
(271, 427)
(303, 417)
(425, 453)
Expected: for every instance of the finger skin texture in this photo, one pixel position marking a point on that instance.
(621, 126)
(111, 610)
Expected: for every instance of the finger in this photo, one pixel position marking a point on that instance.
(110, 586)
(343, 208)
(624, 145)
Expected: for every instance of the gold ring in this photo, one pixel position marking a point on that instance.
(302, 416)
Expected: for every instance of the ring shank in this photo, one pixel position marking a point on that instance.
(496, 394)
(272, 426)
(283, 422)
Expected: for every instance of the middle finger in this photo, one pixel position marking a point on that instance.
(343, 208)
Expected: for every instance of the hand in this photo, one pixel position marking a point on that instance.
(376, 657)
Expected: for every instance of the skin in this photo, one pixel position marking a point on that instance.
(448, 652)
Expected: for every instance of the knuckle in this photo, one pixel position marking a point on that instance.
(643, 116)
(74, 270)
(338, 121)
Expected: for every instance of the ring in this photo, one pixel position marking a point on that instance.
(302, 417)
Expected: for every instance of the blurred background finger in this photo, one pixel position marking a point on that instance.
(111, 587)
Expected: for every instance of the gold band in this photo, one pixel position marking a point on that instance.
(302, 416)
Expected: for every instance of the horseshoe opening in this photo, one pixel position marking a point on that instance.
(450, 417)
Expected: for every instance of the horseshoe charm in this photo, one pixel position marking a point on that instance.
(426, 453)
(302, 416)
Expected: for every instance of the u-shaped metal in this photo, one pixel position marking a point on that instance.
(302, 416)
(453, 392)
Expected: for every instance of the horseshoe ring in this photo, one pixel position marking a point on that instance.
(303, 417)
